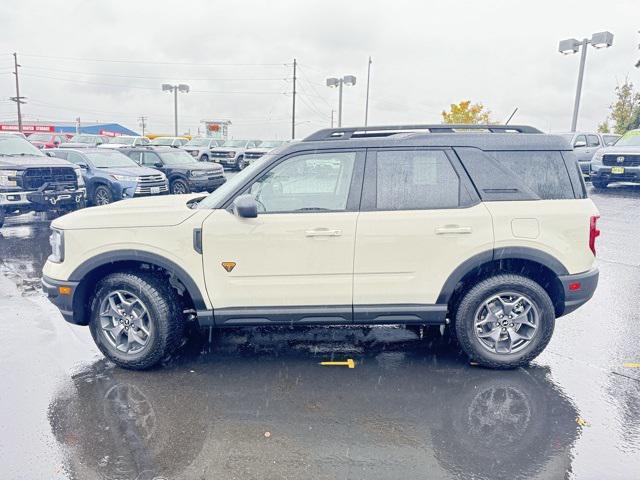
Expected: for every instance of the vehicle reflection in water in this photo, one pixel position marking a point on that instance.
(23, 251)
(410, 408)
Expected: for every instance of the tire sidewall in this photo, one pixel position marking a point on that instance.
(153, 351)
(182, 182)
(472, 301)
(204, 157)
(106, 189)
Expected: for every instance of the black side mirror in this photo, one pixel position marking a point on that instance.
(158, 165)
(245, 206)
(83, 166)
(580, 144)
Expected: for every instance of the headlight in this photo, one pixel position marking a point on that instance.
(56, 240)
(125, 178)
(199, 173)
(79, 177)
(8, 178)
(597, 158)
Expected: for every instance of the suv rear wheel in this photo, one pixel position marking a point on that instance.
(504, 321)
(135, 319)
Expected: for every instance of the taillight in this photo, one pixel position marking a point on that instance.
(593, 232)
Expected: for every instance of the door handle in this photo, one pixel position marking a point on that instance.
(323, 232)
(455, 229)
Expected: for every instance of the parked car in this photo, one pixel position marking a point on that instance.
(585, 145)
(441, 226)
(185, 173)
(47, 140)
(168, 141)
(252, 154)
(200, 148)
(84, 140)
(110, 175)
(231, 152)
(15, 134)
(617, 163)
(32, 182)
(125, 141)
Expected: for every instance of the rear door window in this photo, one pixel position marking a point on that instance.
(415, 180)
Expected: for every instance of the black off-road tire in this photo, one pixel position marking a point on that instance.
(164, 309)
(181, 186)
(2, 217)
(471, 301)
(204, 157)
(240, 163)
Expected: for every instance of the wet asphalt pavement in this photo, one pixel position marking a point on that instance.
(256, 403)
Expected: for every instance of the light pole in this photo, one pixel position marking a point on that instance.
(332, 82)
(571, 45)
(175, 89)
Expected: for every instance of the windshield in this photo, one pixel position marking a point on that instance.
(234, 143)
(629, 139)
(176, 157)
(40, 137)
(215, 199)
(610, 139)
(162, 141)
(14, 145)
(198, 142)
(109, 159)
(270, 144)
(122, 140)
(86, 139)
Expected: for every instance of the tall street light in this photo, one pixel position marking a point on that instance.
(175, 89)
(571, 45)
(333, 82)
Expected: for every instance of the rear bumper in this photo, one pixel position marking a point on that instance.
(64, 302)
(576, 297)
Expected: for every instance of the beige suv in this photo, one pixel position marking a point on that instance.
(484, 229)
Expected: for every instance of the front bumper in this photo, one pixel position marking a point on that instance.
(603, 173)
(43, 199)
(578, 289)
(65, 303)
(205, 184)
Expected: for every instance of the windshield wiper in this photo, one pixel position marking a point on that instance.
(313, 209)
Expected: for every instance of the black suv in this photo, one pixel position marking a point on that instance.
(185, 173)
(30, 181)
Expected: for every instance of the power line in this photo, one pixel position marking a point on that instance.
(143, 77)
(153, 62)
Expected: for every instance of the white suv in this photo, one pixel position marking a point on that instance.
(484, 229)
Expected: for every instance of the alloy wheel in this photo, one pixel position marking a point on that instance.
(506, 323)
(125, 321)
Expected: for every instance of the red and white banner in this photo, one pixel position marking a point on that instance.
(107, 133)
(26, 128)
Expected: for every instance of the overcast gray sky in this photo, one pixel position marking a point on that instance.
(237, 56)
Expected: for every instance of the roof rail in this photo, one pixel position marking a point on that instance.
(385, 131)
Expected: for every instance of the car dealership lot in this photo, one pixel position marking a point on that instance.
(257, 404)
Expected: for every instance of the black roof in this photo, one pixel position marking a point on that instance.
(485, 137)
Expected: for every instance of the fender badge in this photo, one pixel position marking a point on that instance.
(228, 266)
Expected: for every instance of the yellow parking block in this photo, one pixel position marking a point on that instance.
(348, 363)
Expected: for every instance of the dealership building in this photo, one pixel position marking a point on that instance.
(110, 129)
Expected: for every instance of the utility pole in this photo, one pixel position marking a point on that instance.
(78, 126)
(366, 108)
(18, 99)
(143, 123)
(293, 112)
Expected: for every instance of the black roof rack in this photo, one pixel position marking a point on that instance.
(385, 131)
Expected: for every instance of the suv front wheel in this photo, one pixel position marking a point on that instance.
(504, 321)
(135, 319)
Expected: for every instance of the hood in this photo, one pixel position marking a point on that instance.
(259, 150)
(76, 145)
(155, 211)
(40, 144)
(131, 171)
(227, 149)
(613, 150)
(33, 161)
(113, 145)
(213, 167)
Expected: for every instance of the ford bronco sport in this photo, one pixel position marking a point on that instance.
(485, 229)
